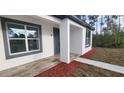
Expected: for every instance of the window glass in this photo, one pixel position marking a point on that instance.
(17, 46)
(88, 38)
(33, 44)
(32, 32)
(21, 38)
(15, 30)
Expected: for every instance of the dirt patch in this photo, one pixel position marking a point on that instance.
(109, 55)
(92, 71)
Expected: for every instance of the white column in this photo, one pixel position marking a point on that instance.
(65, 41)
(2, 52)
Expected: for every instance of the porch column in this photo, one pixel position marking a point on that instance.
(83, 40)
(65, 41)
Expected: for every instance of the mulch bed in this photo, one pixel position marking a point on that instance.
(89, 54)
(63, 69)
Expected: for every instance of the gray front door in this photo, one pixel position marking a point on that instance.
(56, 35)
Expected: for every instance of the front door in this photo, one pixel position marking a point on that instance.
(56, 35)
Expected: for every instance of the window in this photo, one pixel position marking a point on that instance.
(88, 38)
(21, 38)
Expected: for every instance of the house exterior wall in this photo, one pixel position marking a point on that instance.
(72, 40)
(76, 42)
(82, 39)
(66, 46)
(47, 44)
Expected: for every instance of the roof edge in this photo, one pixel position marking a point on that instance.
(75, 19)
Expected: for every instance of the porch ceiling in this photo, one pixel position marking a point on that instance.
(47, 19)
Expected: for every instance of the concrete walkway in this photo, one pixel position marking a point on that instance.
(103, 65)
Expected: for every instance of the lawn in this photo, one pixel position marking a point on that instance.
(109, 55)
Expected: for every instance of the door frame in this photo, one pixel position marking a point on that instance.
(55, 28)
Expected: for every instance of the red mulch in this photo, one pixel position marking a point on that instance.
(63, 69)
(89, 54)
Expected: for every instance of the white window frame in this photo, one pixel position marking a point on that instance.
(26, 39)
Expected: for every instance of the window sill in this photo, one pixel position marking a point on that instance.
(22, 54)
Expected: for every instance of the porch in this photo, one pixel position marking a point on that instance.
(68, 38)
(30, 69)
(34, 68)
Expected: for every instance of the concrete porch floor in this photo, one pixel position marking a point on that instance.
(31, 69)
(34, 68)
(72, 56)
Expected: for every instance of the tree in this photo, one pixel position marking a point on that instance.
(108, 22)
(92, 19)
(113, 34)
(101, 24)
(84, 17)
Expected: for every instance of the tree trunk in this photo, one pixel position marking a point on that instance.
(101, 25)
(119, 30)
(97, 27)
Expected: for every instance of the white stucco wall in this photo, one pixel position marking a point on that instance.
(47, 44)
(76, 42)
(84, 49)
(82, 39)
